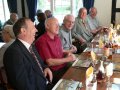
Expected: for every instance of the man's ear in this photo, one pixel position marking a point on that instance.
(23, 30)
(47, 26)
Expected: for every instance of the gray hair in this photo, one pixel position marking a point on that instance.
(49, 19)
(67, 16)
(9, 29)
(92, 8)
(81, 10)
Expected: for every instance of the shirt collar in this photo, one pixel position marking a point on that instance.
(63, 27)
(27, 45)
(50, 38)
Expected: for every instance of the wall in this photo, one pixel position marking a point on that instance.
(104, 11)
(104, 8)
(118, 14)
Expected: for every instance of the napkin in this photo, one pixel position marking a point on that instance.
(116, 80)
(89, 74)
(101, 44)
(93, 55)
(89, 78)
(110, 34)
(118, 27)
(109, 69)
(111, 25)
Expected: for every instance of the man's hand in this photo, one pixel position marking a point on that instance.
(71, 57)
(82, 40)
(73, 49)
(47, 72)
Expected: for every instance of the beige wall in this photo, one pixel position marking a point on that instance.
(104, 11)
(104, 8)
(118, 14)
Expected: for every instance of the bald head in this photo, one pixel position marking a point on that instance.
(68, 21)
(50, 21)
(52, 25)
(68, 17)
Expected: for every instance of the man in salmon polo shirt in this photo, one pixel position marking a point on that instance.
(49, 47)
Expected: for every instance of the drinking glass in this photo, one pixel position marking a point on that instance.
(106, 54)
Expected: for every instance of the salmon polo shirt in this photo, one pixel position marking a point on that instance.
(50, 48)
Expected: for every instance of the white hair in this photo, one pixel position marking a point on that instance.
(9, 29)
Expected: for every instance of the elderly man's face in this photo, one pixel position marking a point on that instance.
(83, 14)
(69, 23)
(5, 36)
(93, 13)
(14, 17)
(53, 26)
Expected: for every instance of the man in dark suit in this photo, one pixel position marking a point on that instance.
(24, 70)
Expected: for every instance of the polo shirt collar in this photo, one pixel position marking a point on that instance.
(51, 38)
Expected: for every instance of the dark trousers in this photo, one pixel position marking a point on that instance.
(57, 75)
(80, 47)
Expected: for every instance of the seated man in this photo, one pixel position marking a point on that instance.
(50, 49)
(93, 21)
(24, 68)
(65, 33)
(48, 14)
(41, 25)
(81, 30)
(12, 20)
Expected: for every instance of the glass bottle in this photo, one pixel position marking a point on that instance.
(101, 72)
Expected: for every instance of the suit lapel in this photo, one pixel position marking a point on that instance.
(30, 58)
(83, 28)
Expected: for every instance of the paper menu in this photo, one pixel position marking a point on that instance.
(66, 85)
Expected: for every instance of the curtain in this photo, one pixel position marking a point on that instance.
(32, 6)
(12, 5)
(88, 4)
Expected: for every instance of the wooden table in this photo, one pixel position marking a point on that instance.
(79, 74)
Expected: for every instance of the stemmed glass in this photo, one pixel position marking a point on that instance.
(109, 73)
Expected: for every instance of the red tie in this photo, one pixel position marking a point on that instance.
(35, 57)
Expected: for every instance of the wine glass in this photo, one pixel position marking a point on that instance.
(109, 73)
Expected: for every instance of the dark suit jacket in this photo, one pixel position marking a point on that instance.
(22, 71)
(41, 28)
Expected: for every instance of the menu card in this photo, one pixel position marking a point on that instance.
(115, 87)
(67, 85)
(83, 63)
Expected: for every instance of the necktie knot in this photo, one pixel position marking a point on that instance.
(30, 49)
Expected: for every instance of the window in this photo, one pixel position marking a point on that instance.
(44, 5)
(4, 11)
(60, 8)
